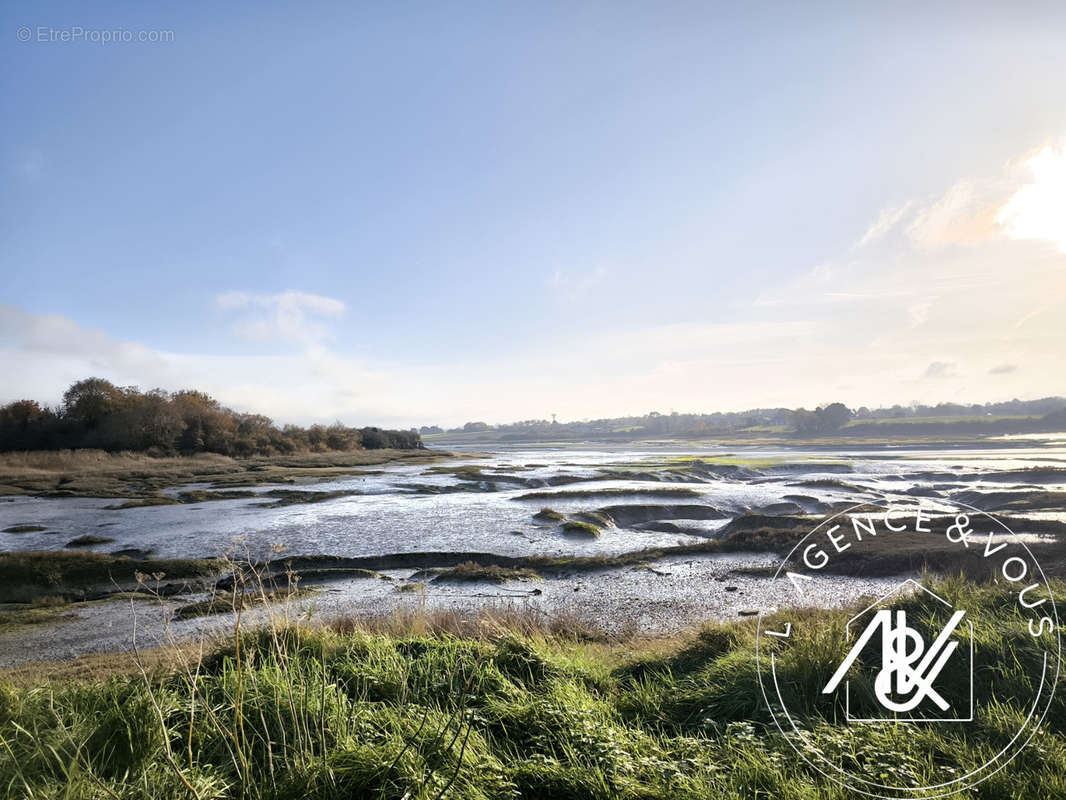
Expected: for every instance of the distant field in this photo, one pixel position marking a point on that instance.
(895, 430)
(990, 418)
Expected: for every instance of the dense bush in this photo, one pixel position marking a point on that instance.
(96, 413)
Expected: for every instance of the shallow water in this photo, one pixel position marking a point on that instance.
(388, 517)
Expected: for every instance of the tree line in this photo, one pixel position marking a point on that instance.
(1046, 413)
(97, 414)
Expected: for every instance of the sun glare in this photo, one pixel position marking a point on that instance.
(1038, 209)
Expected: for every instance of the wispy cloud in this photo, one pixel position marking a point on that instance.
(573, 284)
(889, 219)
(964, 215)
(940, 369)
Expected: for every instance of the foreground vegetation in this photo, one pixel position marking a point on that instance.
(431, 707)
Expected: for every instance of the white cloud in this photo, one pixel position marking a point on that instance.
(1026, 199)
(1037, 210)
(289, 316)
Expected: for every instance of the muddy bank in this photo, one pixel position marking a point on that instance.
(573, 494)
(626, 515)
(78, 576)
(678, 592)
(1015, 500)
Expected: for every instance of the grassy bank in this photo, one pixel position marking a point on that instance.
(492, 708)
(95, 473)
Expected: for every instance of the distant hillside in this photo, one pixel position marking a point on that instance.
(95, 413)
(835, 419)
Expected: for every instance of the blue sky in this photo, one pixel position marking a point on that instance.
(413, 213)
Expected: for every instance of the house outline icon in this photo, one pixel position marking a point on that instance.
(909, 582)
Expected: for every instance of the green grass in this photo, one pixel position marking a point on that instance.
(548, 515)
(511, 713)
(292, 497)
(462, 472)
(47, 610)
(94, 473)
(88, 540)
(574, 527)
(470, 571)
(200, 496)
(943, 420)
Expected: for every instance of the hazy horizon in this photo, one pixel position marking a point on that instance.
(428, 215)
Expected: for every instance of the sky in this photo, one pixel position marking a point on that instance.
(430, 213)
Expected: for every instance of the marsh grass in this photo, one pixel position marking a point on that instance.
(143, 502)
(431, 705)
(95, 473)
(471, 571)
(47, 610)
(28, 575)
(52, 610)
(24, 528)
(292, 497)
(88, 540)
(220, 602)
(548, 515)
(575, 527)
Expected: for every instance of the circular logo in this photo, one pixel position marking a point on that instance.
(939, 678)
